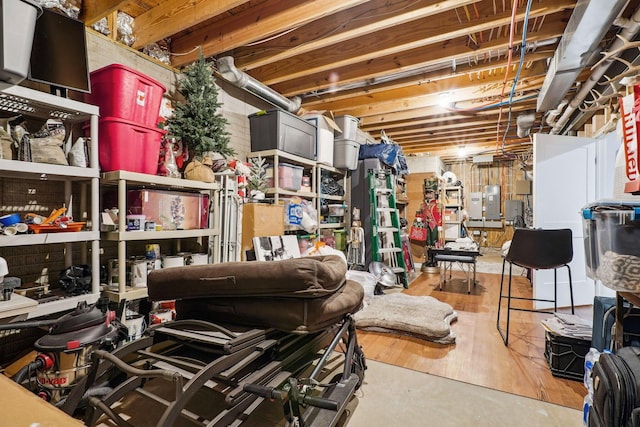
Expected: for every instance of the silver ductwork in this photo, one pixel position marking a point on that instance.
(629, 33)
(589, 22)
(524, 123)
(230, 73)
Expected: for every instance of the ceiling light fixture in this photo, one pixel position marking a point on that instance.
(462, 151)
(445, 99)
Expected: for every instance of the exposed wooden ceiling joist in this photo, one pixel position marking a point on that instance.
(386, 62)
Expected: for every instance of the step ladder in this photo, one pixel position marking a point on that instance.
(385, 225)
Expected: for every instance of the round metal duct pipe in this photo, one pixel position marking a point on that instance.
(230, 73)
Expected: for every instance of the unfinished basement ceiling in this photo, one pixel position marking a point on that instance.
(433, 75)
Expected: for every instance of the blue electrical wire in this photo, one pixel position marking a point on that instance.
(517, 76)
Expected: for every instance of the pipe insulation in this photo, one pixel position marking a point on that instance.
(238, 78)
(630, 31)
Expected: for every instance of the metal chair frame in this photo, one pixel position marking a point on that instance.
(536, 249)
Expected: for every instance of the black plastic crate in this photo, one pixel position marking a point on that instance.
(281, 130)
(565, 355)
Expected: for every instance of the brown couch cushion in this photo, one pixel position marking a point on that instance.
(308, 277)
(295, 315)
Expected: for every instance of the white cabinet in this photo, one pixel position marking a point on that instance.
(36, 105)
(125, 181)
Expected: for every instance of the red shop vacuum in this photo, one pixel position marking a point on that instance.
(64, 353)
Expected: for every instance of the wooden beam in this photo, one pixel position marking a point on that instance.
(457, 88)
(173, 16)
(413, 35)
(470, 72)
(479, 93)
(408, 62)
(93, 11)
(363, 20)
(465, 108)
(264, 20)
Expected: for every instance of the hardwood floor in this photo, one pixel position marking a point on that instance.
(479, 356)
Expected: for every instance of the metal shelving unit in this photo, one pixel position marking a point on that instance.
(125, 180)
(316, 170)
(39, 105)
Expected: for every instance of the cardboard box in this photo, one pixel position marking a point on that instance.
(185, 211)
(21, 407)
(260, 220)
(325, 129)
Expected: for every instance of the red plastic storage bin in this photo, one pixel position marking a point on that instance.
(127, 94)
(125, 145)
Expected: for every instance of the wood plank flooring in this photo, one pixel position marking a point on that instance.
(479, 356)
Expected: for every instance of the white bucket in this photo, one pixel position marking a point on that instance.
(349, 126)
(19, 23)
(345, 154)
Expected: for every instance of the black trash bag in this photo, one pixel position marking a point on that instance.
(76, 280)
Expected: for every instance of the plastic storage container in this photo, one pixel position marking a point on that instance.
(348, 127)
(345, 154)
(289, 176)
(18, 26)
(280, 130)
(565, 355)
(127, 94)
(126, 145)
(611, 235)
(337, 209)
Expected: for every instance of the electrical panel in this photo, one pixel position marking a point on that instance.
(513, 209)
(492, 202)
(475, 205)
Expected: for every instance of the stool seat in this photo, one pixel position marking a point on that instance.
(536, 249)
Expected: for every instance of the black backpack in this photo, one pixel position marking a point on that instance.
(616, 389)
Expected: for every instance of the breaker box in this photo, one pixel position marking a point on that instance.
(475, 205)
(492, 202)
(513, 209)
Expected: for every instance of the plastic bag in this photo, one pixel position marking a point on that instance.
(78, 155)
(46, 144)
(167, 165)
(20, 137)
(5, 145)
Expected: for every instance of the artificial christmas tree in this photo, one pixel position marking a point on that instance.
(197, 122)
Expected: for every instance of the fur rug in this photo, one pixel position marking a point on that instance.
(423, 317)
(419, 316)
